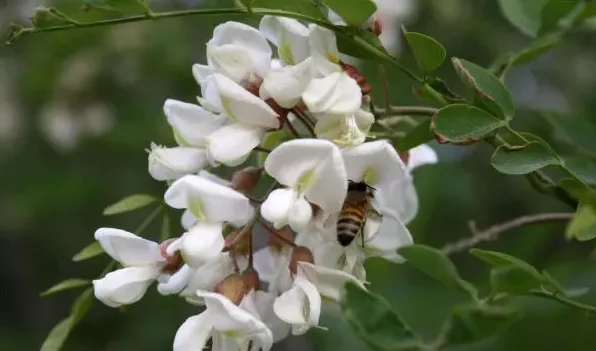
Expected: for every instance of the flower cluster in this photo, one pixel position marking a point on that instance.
(253, 298)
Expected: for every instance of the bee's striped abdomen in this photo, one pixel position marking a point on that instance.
(350, 222)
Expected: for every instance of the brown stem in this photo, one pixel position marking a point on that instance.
(250, 253)
(272, 230)
(493, 232)
(304, 119)
(291, 127)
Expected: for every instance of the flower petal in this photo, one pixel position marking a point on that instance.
(210, 99)
(277, 206)
(378, 160)
(323, 49)
(175, 283)
(422, 155)
(400, 197)
(201, 72)
(262, 303)
(202, 243)
(241, 38)
(173, 163)
(232, 144)
(329, 282)
(392, 235)
(127, 248)
(217, 202)
(337, 93)
(243, 106)
(194, 333)
(345, 130)
(233, 320)
(287, 84)
(208, 275)
(289, 35)
(300, 306)
(125, 286)
(300, 215)
(313, 166)
(192, 123)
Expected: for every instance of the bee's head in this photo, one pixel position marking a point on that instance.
(359, 186)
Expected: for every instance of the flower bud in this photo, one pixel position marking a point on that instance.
(238, 245)
(276, 243)
(251, 280)
(357, 76)
(300, 254)
(376, 26)
(405, 156)
(246, 179)
(232, 287)
(173, 262)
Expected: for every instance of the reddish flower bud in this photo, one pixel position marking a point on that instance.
(251, 280)
(376, 26)
(232, 287)
(357, 76)
(300, 254)
(238, 244)
(405, 156)
(276, 243)
(173, 262)
(246, 179)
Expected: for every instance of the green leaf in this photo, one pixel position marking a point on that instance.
(60, 332)
(463, 124)
(346, 43)
(580, 166)
(118, 5)
(374, 320)
(353, 12)
(523, 160)
(523, 14)
(308, 8)
(90, 251)
(428, 52)
(435, 264)
(499, 260)
(574, 188)
(588, 11)
(471, 323)
(553, 12)
(49, 17)
(418, 135)
(583, 225)
(489, 90)
(129, 203)
(537, 48)
(65, 285)
(512, 280)
(58, 335)
(577, 132)
(166, 232)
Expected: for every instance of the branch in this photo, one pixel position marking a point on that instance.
(493, 232)
(564, 300)
(421, 111)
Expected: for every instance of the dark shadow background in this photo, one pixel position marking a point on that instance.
(78, 108)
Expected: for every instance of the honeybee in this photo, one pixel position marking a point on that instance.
(356, 208)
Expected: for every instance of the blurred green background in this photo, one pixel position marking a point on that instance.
(78, 108)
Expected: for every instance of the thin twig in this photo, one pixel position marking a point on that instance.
(385, 81)
(305, 121)
(493, 232)
(291, 127)
(262, 149)
(564, 300)
(272, 230)
(420, 111)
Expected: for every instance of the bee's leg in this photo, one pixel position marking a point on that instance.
(373, 213)
(362, 236)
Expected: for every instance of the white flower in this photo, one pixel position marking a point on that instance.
(260, 305)
(191, 125)
(273, 268)
(345, 130)
(421, 155)
(229, 326)
(287, 84)
(239, 51)
(212, 204)
(251, 117)
(143, 263)
(301, 305)
(290, 37)
(313, 171)
(207, 276)
(323, 50)
(337, 93)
